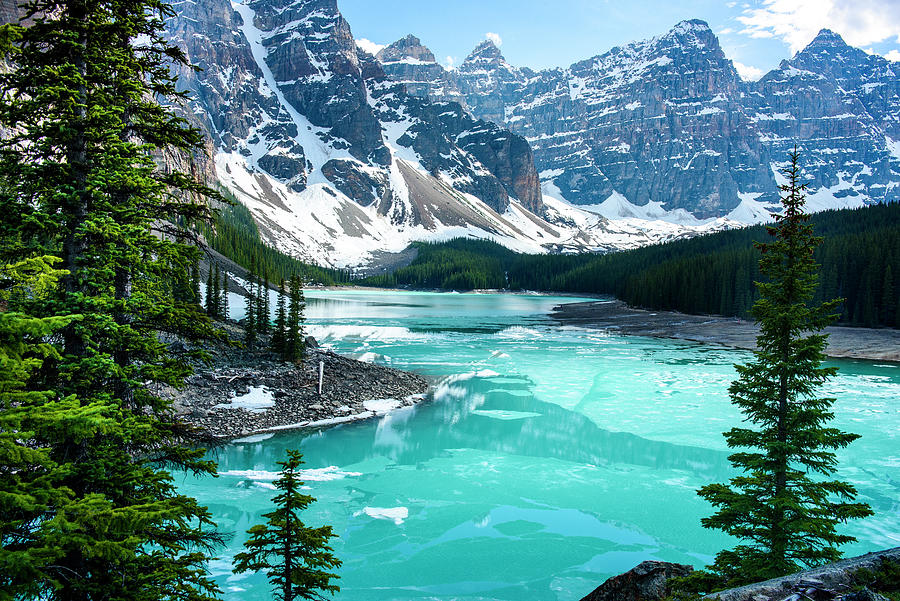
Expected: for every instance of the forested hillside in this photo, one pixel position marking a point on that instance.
(236, 236)
(860, 259)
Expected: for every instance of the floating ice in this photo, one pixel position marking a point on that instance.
(321, 474)
(505, 415)
(395, 514)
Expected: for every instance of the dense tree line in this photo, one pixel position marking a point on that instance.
(236, 236)
(711, 274)
(95, 260)
(99, 292)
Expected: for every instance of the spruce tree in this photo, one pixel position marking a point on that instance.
(295, 339)
(295, 557)
(30, 479)
(280, 326)
(81, 123)
(250, 325)
(195, 281)
(784, 507)
(210, 293)
(223, 299)
(262, 305)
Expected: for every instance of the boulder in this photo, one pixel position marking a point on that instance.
(646, 582)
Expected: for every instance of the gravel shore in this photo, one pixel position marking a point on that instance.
(882, 344)
(245, 392)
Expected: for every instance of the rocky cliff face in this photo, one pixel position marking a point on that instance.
(668, 125)
(408, 62)
(841, 107)
(304, 122)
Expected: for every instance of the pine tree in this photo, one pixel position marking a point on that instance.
(888, 298)
(195, 281)
(30, 480)
(783, 507)
(295, 339)
(210, 293)
(280, 326)
(223, 299)
(79, 182)
(250, 325)
(214, 301)
(295, 557)
(262, 306)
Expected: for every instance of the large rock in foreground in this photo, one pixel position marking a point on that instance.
(646, 582)
(833, 581)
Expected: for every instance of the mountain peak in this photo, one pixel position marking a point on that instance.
(485, 51)
(826, 39)
(692, 32)
(689, 25)
(409, 47)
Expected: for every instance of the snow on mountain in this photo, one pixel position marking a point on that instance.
(340, 165)
(665, 128)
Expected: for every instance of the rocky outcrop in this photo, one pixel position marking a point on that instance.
(833, 581)
(408, 62)
(838, 581)
(646, 582)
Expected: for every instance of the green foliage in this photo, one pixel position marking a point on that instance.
(263, 319)
(295, 557)
(783, 507)
(695, 585)
(279, 338)
(294, 335)
(250, 321)
(884, 580)
(88, 509)
(712, 274)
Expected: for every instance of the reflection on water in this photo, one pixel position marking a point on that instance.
(545, 459)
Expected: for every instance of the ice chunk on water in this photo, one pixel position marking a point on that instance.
(395, 514)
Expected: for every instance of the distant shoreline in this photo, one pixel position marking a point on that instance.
(873, 344)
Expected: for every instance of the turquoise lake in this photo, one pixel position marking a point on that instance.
(545, 460)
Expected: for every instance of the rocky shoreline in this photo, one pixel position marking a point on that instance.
(875, 344)
(249, 391)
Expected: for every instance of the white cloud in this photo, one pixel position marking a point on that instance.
(449, 62)
(494, 37)
(369, 46)
(726, 31)
(893, 55)
(796, 22)
(748, 72)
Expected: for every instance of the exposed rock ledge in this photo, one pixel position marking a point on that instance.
(835, 578)
(248, 392)
(833, 582)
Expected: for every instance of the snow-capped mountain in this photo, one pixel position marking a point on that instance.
(340, 165)
(343, 158)
(666, 127)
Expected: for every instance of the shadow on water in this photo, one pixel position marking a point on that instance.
(494, 414)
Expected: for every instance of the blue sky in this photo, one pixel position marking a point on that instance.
(756, 34)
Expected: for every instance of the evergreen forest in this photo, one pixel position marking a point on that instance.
(710, 274)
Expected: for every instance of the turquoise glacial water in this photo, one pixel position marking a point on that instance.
(546, 459)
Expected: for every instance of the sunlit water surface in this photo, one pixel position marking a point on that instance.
(545, 460)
